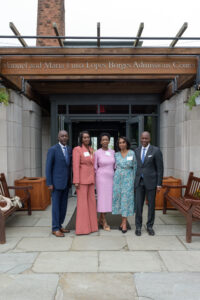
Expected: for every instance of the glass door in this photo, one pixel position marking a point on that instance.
(64, 123)
(134, 129)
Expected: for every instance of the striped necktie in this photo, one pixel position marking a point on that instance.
(65, 153)
(143, 154)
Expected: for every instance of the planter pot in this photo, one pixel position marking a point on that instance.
(40, 195)
(174, 192)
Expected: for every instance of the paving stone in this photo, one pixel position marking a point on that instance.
(194, 245)
(44, 244)
(41, 214)
(169, 229)
(56, 262)
(173, 220)
(129, 261)
(157, 220)
(117, 232)
(168, 286)
(169, 213)
(9, 245)
(154, 243)
(99, 286)
(28, 287)
(16, 262)
(27, 232)
(18, 220)
(47, 222)
(181, 261)
(98, 243)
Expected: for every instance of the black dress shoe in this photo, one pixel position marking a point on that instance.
(138, 232)
(124, 231)
(150, 231)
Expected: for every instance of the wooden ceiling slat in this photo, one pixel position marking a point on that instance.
(98, 87)
(98, 51)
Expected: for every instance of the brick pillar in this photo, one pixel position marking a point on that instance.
(49, 12)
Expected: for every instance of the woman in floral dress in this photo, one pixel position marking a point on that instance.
(123, 187)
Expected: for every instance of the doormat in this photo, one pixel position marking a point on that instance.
(113, 220)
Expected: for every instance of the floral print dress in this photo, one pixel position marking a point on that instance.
(123, 186)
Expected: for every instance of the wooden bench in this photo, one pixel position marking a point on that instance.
(188, 205)
(4, 191)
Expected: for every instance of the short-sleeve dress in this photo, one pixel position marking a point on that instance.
(123, 185)
(104, 168)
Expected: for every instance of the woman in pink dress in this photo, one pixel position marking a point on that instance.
(104, 168)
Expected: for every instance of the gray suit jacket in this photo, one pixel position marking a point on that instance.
(151, 169)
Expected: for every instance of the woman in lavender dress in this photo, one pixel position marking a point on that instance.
(104, 168)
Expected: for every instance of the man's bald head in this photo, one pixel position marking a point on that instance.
(145, 138)
(63, 137)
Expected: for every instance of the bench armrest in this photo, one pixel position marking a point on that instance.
(192, 201)
(20, 187)
(174, 186)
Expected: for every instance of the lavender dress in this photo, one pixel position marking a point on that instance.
(104, 168)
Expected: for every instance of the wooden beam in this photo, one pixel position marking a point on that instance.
(136, 42)
(16, 32)
(13, 82)
(35, 51)
(17, 83)
(45, 88)
(182, 82)
(98, 65)
(98, 34)
(179, 34)
(97, 77)
(185, 81)
(60, 41)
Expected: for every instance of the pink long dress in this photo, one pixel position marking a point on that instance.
(104, 168)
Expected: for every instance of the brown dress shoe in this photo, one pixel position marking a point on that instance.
(63, 230)
(58, 233)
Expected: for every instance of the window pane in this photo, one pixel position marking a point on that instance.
(143, 109)
(150, 125)
(114, 109)
(61, 109)
(82, 109)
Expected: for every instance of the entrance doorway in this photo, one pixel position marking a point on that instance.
(118, 115)
(129, 127)
(95, 128)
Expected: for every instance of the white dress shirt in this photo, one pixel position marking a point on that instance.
(62, 147)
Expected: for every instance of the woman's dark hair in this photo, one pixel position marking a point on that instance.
(126, 140)
(80, 138)
(104, 134)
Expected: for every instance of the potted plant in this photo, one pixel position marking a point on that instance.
(192, 101)
(4, 96)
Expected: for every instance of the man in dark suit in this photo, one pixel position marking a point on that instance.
(58, 177)
(148, 180)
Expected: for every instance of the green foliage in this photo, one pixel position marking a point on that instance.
(4, 96)
(191, 101)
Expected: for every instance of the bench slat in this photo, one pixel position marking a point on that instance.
(187, 204)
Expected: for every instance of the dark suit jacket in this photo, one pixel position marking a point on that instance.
(58, 170)
(151, 169)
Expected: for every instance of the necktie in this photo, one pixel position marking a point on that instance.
(65, 153)
(143, 154)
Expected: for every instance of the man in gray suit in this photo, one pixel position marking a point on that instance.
(148, 180)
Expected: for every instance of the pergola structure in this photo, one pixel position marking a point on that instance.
(96, 65)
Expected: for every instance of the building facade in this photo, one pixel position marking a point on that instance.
(119, 89)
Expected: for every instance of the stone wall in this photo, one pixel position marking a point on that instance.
(20, 138)
(180, 136)
(46, 140)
